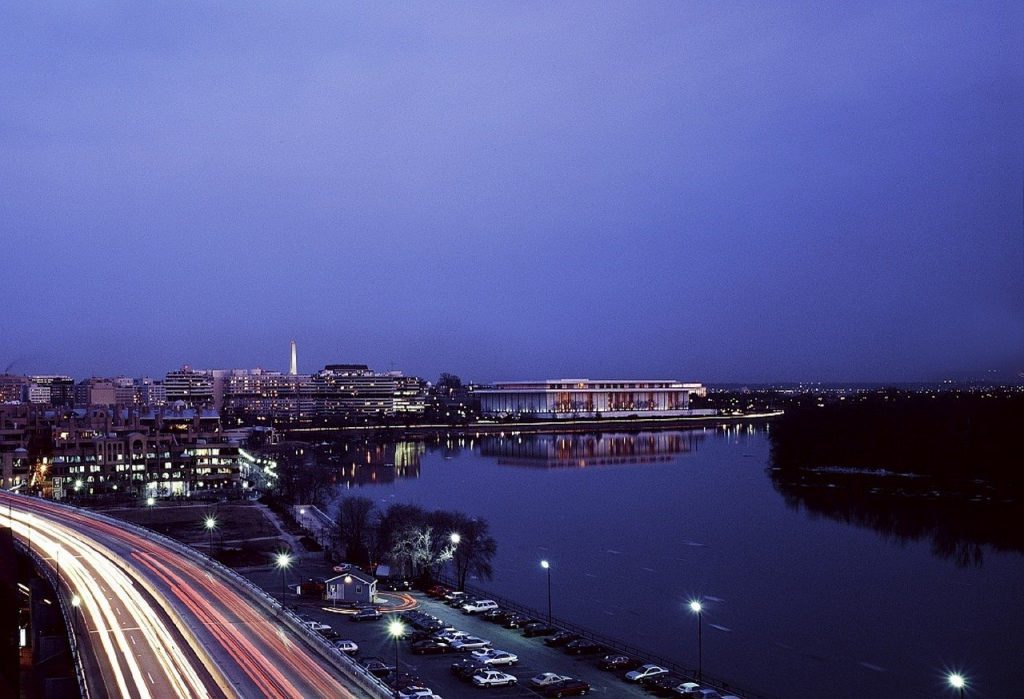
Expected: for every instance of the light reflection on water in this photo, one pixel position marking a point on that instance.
(798, 603)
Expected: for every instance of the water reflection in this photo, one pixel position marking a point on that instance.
(960, 522)
(372, 463)
(591, 449)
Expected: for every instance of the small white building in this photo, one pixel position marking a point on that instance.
(351, 587)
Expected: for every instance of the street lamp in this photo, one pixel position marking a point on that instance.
(547, 566)
(150, 501)
(697, 608)
(283, 561)
(958, 682)
(455, 539)
(210, 523)
(396, 630)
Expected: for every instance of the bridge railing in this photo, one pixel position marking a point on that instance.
(44, 569)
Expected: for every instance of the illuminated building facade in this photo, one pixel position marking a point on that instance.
(352, 389)
(583, 398)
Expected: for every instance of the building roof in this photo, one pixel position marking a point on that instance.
(357, 574)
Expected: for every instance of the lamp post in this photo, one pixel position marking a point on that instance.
(150, 501)
(547, 566)
(283, 561)
(697, 608)
(958, 682)
(396, 630)
(455, 539)
(210, 523)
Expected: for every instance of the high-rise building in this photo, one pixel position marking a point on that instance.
(350, 389)
(192, 387)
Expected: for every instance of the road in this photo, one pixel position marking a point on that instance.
(158, 621)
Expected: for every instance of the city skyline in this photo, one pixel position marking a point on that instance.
(714, 193)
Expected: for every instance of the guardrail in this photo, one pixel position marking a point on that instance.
(69, 618)
(348, 667)
(612, 643)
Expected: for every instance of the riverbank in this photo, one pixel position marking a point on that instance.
(529, 427)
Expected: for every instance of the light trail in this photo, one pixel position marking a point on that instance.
(162, 623)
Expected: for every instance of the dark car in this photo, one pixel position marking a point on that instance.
(623, 663)
(438, 591)
(563, 638)
(566, 688)
(467, 667)
(430, 645)
(517, 621)
(496, 615)
(538, 628)
(366, 614)
(662, 685)
(376, 666)
(583, 646)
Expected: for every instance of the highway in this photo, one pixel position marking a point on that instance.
(155, 620)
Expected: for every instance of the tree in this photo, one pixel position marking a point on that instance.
(449, 383)
(355, 518)
(475, 552)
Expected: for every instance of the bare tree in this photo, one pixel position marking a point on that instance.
(355, 519)
(474, 552)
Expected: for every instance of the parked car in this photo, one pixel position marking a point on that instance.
(376, 666)
(517, 621)
(454, 596)
(619, 662)
(645, 671)
(494, 678)
(583, 646)
(417, 692)
(492, 656)
(347, 646)
(316, 625)
(331, 635)
(662, 685)
(438, 591)
(566, 688)
(467, 667)
(561, 639)
(366, 614)
(685, 689)
(450, 636)
(545, 679)
(431, 645)
(480, 605)
(470, 643)
(538, 628)
(496, 615)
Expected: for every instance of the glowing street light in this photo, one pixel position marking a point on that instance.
(697, 608)
(283, 561)
(396, 629)
(76, 601)
(958, 682)
(210, 523)
(455, 538)
(547, 566)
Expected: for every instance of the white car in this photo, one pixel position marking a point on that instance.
(480, 605)
(417, 693)
(470, 643)
(546, 679)
(490, 656)
(316, 625)
(493, 678)
(645, 671)
(450, 636)
(347, 646)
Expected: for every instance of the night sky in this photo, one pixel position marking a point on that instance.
(704, 191)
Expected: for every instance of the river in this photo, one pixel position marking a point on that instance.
(797, 603)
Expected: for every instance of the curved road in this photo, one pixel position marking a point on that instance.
(155, 622)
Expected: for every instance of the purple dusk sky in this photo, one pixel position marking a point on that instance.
(707, 191)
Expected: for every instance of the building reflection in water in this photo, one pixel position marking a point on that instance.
(370, 463)
(588, 449)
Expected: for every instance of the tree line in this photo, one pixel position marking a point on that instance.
(415, 541)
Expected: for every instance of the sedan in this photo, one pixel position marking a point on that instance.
(546, 679)
(566, 688)
(561, 639)
(470, 643)
(366, 614)
(619, 662)
(316, 625)
(645, 671)
(583, 646)
(493, 678)
(430, 645)
(467, 667)
(376, 666)
(490, 656)
(517, 621)
(347, 646)
(538, 628)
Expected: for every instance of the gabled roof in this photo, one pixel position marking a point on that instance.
(356, 574)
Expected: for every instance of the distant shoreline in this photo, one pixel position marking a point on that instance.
(540, 426)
